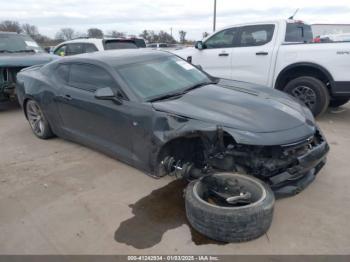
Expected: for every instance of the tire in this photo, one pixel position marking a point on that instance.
(336, 102)
(311, 91)
(230, 223)
(37, 120)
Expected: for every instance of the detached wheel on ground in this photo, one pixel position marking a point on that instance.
(37, 120)
(311, 91)
(229, 207)
(339, 101)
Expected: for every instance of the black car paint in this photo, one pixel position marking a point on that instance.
(136, 131)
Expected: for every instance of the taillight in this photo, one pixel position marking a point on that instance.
(316, 40)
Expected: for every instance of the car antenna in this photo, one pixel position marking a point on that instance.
(292, 17)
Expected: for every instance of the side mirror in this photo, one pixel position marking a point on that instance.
(106, 93)
(199, 45)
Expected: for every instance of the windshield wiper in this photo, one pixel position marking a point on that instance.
(166, 96)
(5, 51)
(197, 86)
(179, 94)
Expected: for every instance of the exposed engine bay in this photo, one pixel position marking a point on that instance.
(286, 168)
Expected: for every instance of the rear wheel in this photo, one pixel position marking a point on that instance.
(311, 91)
(339, 101)
(37, 120)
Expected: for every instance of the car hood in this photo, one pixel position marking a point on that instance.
(239, 106)
(24, 59)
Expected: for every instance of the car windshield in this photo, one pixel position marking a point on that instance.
(158, 78)
(18, 43)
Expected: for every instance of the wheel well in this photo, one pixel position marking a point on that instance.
(25, 101)
(296, 71)
(195, 148)
(186, 149)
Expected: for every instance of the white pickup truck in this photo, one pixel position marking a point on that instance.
(281, 55)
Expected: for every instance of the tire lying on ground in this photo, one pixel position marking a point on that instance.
(224, 222)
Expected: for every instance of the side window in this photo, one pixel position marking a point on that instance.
(300, 33)
(256, 35)
(89, 48)
(61, 51)
(75, 49)
(119, 44)
(223, 39)
(89, 77)
(62, 73)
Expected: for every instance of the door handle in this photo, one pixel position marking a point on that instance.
(262, 53)
(224, 54)
(67, 97)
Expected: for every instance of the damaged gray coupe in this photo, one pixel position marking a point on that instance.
(160, 114)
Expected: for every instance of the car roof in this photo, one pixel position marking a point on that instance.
(95, 40)
(118, 57)
(83, 40)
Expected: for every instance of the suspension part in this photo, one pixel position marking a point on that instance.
(170, 166)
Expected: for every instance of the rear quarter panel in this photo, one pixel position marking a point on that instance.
(33, 84)
(334, 57)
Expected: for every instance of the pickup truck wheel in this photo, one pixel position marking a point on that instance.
(37, 120)
(240, 220)
(336, 102)
(311, 91)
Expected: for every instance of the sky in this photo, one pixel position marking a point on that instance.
(192, 16)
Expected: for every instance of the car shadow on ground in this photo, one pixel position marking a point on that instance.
(9, 106)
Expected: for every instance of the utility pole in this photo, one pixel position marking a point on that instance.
(214, 22)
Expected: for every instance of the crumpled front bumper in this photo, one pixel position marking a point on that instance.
(295, 179)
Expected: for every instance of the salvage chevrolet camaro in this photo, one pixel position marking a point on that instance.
(158, 113)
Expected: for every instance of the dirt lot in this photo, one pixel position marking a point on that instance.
(57, 197)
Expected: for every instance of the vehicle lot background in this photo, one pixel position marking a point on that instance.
(57, 197)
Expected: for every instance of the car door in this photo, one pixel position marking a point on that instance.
(61, 51)
(252, 58)
(101, 123)
(89, 48)
(75, 49)
(216, 55)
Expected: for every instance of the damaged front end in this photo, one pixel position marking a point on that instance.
(8, 82)
(287, 168)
